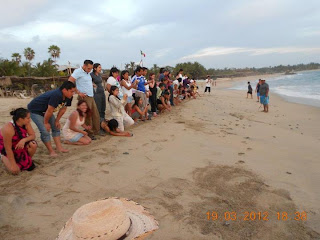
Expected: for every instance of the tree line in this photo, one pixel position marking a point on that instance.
(48, 68)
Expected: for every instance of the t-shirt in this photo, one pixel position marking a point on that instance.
(97, 79)
(83, 81)
(175, 82)
(141, 80)
(263, 89)
(114, 82)
(53, 98)
(208, 82)
(159, 92)
(249, 88)
(161, 77)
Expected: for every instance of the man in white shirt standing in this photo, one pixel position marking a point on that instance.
(208, 84)
(82, 78)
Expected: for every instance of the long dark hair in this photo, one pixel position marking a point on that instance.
(95, 66)
(136, 101)
(19, 113)
(123, 73)
(113, 70)
(88, 112)
(111, 92)
(16, 114)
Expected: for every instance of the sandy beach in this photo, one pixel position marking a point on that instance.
(218, 153)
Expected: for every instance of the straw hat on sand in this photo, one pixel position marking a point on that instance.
(109, 219)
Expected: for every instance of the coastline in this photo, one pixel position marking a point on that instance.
(215, 153)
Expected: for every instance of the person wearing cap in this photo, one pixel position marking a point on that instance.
(264, 95)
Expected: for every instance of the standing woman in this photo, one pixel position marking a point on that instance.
(99, 95)
(17, 145)
(117, 108)
(153, 90)
(127, 87)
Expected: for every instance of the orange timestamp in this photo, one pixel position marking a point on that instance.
(256, 216)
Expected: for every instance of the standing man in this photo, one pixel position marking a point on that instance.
(208, 84)
(41, 111)
(264, 95)
(83, 80)
(258, 89)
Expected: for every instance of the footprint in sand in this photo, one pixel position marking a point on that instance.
(241, 153)
(247, 137)
(158, 148)
(244, 142)
(249, 149)
(240, 161)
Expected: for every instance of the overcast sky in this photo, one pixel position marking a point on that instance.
(216, 33)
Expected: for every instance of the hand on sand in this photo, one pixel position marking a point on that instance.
(12, 168)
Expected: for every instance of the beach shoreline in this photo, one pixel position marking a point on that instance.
(216, 153)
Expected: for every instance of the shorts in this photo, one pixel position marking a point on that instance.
(76, 138)
(159, 101)
(207, 88)
(129, 99)
(258, 94)
(250, 92)
(264, 100)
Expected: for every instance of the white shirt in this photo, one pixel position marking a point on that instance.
(208, 82)
(114, 82)
(126, 91)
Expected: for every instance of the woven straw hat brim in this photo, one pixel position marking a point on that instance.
(142, 222)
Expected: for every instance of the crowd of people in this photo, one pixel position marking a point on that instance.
(131, 99)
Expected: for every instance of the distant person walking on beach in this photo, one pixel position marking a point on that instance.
(257, 90)
(42, 109)
(208, 84)
(249, 90)
(264, 95)
(83, 80)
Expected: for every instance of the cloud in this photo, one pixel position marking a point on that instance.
(217, 51)
(17, 12)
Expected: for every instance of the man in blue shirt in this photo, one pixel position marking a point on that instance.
(41, 111)
(141, 89)
(83, 80)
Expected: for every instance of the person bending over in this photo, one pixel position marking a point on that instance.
(111, 127)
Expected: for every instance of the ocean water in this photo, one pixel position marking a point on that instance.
(303, 87)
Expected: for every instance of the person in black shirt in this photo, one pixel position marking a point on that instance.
(249, 90)
(42, 109)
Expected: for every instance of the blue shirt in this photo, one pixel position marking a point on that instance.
(141, 87)
(83, 81)
(53, 98)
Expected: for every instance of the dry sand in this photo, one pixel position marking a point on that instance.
(216, 153)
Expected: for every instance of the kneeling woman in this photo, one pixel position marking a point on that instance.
(17, 145)
(71, 130)
(111, 127)
(117, 108)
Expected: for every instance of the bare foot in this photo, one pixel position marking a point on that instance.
(62, 150)
(53, 154)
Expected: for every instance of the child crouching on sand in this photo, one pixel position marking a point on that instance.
(117, 108)
(138, 112)
(164, 101)
(71, 130)
(111, 127)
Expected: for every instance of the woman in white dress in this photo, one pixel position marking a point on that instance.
(117, 108)
(72, 132)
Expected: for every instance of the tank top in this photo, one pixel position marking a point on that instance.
(126, 91)
(67, 132)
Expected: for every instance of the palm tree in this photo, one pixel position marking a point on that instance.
(54, 52)
(29, 54)
(16, 57)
